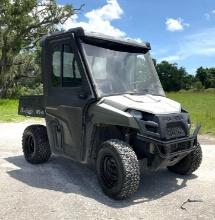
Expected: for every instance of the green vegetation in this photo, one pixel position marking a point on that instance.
(200, 105)
(22, 24)
(8, 111)
(174, 78)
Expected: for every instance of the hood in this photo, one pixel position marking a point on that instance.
(147, 103)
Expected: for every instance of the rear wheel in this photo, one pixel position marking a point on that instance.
(188, 164)
(117, 169)
(35, 144)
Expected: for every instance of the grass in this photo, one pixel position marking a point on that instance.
(8, 111)
(201, 107)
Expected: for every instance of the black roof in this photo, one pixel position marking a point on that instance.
(101, 39)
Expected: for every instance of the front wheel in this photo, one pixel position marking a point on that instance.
(117, 169)
(188, 164)
(35, 144)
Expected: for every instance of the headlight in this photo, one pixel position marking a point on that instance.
(135, 113)
(189, 123)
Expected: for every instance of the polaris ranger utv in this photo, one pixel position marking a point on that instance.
(103, 102)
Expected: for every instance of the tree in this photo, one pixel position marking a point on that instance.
(172, 77)
(206, 76)
(22, 24)
(201, 74)
(189, 80)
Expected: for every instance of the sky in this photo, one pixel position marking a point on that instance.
(181, 31)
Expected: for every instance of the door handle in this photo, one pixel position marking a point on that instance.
(83, 95)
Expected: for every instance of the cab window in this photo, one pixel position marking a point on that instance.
(65, 72)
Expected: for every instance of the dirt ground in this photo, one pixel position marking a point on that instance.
(62, 189)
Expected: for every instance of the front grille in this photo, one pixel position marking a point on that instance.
(184, 146)
(180, 147)
(173, 148)
(175, 131)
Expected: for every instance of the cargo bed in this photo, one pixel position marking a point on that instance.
(32, 106)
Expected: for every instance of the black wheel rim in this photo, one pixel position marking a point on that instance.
(109, 171)
(30, 145)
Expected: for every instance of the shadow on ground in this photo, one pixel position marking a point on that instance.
(66, 176)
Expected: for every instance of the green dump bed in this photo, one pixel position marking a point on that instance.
(32, 106)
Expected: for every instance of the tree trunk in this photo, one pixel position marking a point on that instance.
(4, 69)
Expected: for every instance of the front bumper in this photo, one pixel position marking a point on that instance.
(172, 148)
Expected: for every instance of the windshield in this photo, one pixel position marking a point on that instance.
(116, 72)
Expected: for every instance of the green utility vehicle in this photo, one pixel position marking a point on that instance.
(103, 103)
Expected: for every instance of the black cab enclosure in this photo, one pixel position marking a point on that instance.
(103, 103)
